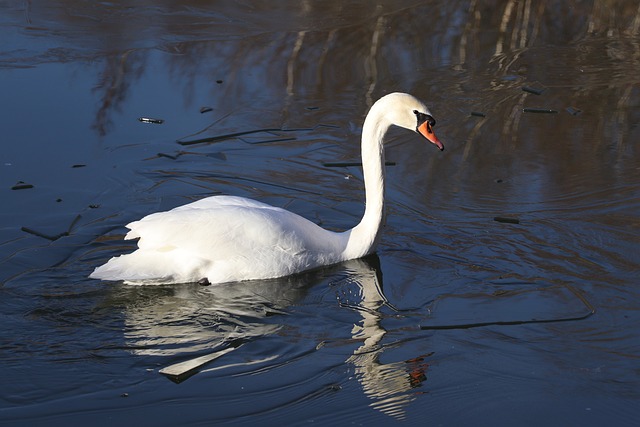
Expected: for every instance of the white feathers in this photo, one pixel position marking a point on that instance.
(222, 238)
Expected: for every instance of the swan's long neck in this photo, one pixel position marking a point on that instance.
(363, 238)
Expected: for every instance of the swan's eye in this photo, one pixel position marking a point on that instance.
(422, 117)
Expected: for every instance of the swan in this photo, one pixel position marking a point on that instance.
(223, 239)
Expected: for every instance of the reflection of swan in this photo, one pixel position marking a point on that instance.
(223, 239)
(390, 385)
(191, 319)
(193, 325)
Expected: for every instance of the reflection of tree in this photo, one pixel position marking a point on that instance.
(121, 70)
(278, 50)
(383, 48)
(527, 25)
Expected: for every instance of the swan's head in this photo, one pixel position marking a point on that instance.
(408, 112)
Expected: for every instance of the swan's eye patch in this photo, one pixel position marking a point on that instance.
(422, 117)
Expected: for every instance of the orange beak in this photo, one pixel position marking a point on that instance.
(426, 130)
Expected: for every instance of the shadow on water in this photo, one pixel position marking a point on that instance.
(495, 253)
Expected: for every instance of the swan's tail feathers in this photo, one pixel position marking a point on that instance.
(140, 267)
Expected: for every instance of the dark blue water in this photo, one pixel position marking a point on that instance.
(504, 291)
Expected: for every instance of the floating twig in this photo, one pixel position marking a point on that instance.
(590, 310)
(223, 137)
(151, 120)
(539, 110)
(179, 372)
(21, 185)
(573, 111)
(506, 220)
(44, 235)
(532, 90)
(274, 131)
(478, 114)
(217, 138)
(268, 140)
(74, 222)
(55, 236)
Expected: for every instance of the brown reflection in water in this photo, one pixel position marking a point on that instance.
(459, 56)
(331, 47)
(334, 49)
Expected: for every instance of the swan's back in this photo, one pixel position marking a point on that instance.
(222, 239)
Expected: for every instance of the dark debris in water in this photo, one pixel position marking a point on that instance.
(181, 371)
(268, 135)
(204, 282)
(478, 114)
(21, 185)
(507, 220)
(223, 137)
(215, 155)
(265, 141)
(205, 110)
(44, 235)
(55, 236)
(573, 111)
(533, 90)
(539, 110)
(169, 156)
(509, 307)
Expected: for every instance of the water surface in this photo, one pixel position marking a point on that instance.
(460, 319)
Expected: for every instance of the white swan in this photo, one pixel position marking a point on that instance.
(225, 239)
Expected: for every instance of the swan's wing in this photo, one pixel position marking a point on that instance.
(215, 219)
(223, 239)
(212, 227)
(216, 202)
(228, 228)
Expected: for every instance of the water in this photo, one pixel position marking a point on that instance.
(459, 319)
